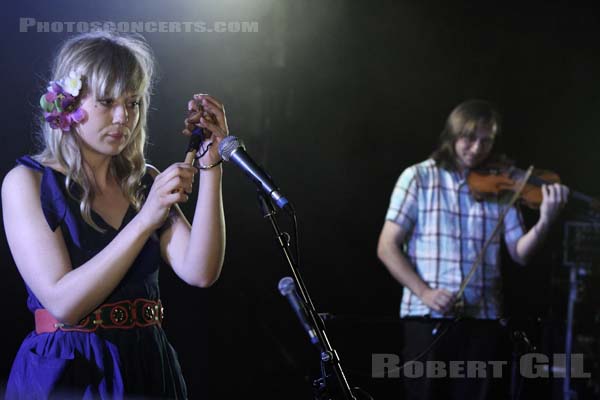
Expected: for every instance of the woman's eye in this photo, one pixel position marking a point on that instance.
(105, 102)
(135, 103)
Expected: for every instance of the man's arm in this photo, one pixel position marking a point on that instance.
(388, 250)
(554, 199)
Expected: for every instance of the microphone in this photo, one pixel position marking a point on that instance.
(287, 288)
(193, 146)
(232, 149)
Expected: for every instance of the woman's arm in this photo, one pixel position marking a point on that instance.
(42, 258)
(196, 252)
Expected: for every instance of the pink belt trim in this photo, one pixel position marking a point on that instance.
(125, 314)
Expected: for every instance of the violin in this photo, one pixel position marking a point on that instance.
(498, 178)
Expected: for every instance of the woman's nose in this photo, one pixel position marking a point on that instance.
(120, 114)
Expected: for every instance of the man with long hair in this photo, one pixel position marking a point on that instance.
(434, 231)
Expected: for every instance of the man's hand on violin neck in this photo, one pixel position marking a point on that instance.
(555, 198)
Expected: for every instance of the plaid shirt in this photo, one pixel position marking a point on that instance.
(447, 229)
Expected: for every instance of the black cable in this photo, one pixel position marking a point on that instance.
(296, 236)
(198, 156)
(418, 357)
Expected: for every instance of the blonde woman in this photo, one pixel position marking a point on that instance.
(87, 221)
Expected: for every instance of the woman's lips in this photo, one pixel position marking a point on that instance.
(116, 135)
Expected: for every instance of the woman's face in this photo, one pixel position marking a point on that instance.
(109, 123)
(471, 150)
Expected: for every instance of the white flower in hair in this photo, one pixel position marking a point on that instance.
(72, 84)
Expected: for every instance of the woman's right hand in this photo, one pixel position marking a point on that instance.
(170, 187)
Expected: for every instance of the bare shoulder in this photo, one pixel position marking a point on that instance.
(152, 170)
(21, 182)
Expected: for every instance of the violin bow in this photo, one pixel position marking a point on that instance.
(487, 243)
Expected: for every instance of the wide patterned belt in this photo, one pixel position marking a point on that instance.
(125, 314)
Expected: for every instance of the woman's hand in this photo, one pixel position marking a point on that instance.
(171, 186)
(207, 113)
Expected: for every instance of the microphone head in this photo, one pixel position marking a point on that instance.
(195, 140)
(228, 145)
(286, 285)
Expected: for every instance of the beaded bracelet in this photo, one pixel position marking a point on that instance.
(205, 167)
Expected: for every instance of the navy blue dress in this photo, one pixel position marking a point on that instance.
(108, 363)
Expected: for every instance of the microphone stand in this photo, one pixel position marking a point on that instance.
(333, 384)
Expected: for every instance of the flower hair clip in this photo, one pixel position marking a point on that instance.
(60, 102)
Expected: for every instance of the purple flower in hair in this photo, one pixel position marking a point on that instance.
(77, 116)
(60, 103)
(58, 120)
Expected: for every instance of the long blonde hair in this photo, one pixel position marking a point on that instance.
(110, 65)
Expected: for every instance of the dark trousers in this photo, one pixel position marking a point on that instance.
(457, 366)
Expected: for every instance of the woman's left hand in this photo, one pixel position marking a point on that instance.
(207, 113)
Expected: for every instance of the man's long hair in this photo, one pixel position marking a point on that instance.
(463, 121)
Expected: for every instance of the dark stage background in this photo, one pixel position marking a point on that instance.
(334, 98)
